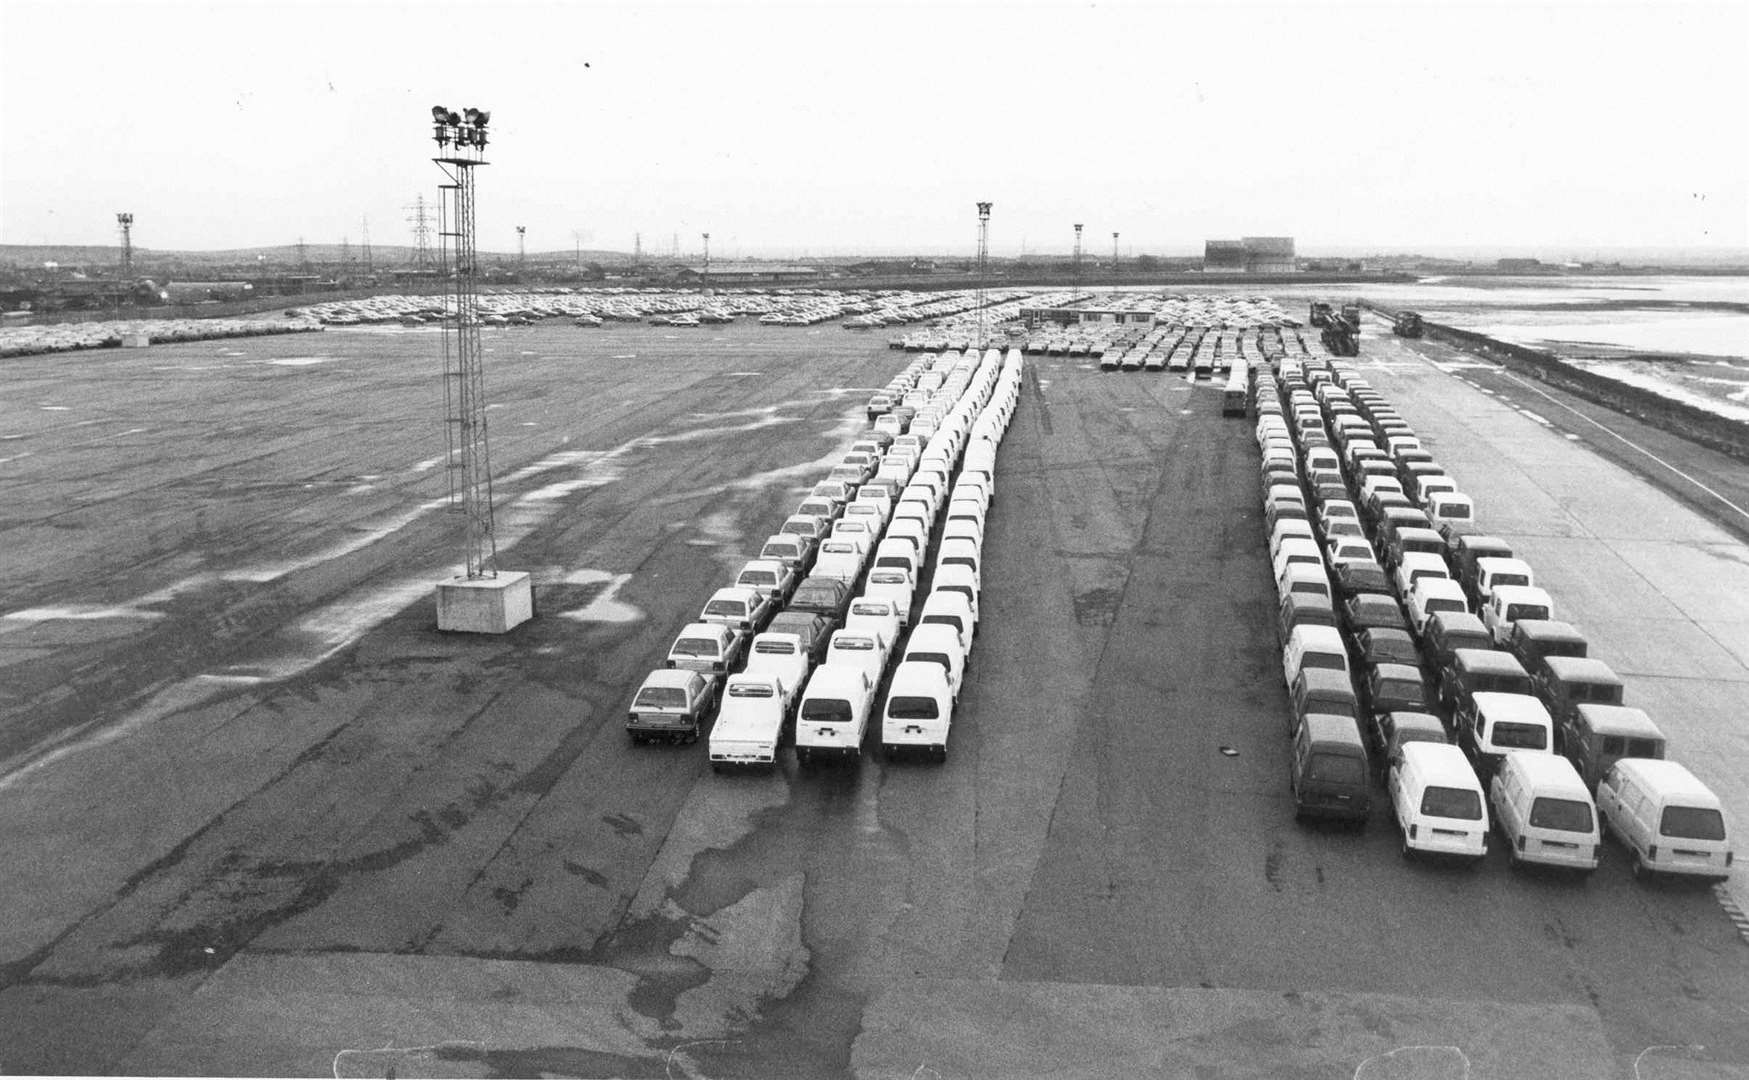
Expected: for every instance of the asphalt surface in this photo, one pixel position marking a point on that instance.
(266, 820)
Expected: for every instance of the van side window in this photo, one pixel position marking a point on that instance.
(1646, 748)
(1615, 745)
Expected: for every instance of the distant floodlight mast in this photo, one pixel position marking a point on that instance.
(482, 599)
(705, 278)
(1077, 285)
(983, 269)
(126, 222)
(1114, 253)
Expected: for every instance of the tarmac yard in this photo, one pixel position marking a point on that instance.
(264, 819)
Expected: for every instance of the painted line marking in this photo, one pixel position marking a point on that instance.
(1733, 911)
(1627, 442)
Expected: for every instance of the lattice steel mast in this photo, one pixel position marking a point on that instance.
(983, 269)
(461, 139)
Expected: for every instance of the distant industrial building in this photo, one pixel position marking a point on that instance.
(1035, 317)
(748, 274)
(1251, 255)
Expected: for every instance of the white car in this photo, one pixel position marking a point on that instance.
(865, 650)
(749, 722)
(894, 585)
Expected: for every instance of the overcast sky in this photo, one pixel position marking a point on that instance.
(788, 128)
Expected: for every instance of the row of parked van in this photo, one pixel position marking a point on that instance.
(950, 489)
(1405, 628)
(793, 629)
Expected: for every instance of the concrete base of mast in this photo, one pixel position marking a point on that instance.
(485, 605)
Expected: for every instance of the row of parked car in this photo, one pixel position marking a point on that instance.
(1408, 632)
(801, 641)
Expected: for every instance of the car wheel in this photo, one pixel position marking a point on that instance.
(1404, 848)
(1640, 871)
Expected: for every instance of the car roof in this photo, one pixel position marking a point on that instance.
(1393, 670)
(1522, 594)
(1622, 720)
(1581, 669)
(1547, 630)
(1511, 708)
(1409, 720)
(1332, 727)
(1548, 769)
(1441, 762)
(1491, 661)
(1320, 678)
(671, 678)
(1668, 776)
(1326, 638)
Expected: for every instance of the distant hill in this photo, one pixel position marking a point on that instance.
(35, 255)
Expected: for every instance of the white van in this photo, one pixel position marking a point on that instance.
(919, 710)
(864, 649)
(961, 529)
(898, 554)
(1313, 646)
(908, 530)
(1433, 595)
(1437, 801)
(834, 714)
(950, 609)
(939, 645)
(1544, 812)
(952, 577)
(1491, 723)
(1303, 578)
(1670, 822)
(749, 722)
(1493, 573)
(1510, 603)
(959, 551)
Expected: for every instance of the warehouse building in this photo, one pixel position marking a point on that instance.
(1251, 255)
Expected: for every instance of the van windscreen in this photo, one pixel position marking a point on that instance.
(1449, 802)
(913, 708)
(1692, 823)
(1336, 769)
(1565, 815)
(1510, 736)
(1330, 661)
(933, 658)
(1514, 612)
(826, 710)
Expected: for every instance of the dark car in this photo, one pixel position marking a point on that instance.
(1366, 610)
(1388, 688)
(1384, 645)
(1352, 577)
(827, 597)
(1470, 547)
(811, 628)
(1475, 671)
(1389, 731)
(1534, 640)
(1448, 631)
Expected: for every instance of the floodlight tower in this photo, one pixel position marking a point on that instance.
(126, 221)
(1077, 258)
(483, 599)
(705, 279)
(983, 267)
(521, 251)
(1114, 253)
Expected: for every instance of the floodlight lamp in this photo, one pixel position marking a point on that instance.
(453, 119)
(472, 116)
(439, 113)
(482, 117)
